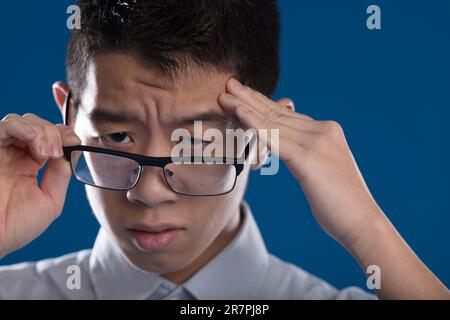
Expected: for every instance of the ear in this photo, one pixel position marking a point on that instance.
(261, 154)
(60, 91)
(263, 151)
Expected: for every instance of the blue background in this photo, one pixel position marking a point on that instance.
(389, 89)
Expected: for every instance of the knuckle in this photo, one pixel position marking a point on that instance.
(52, 131)
(10, 116)
(49, 127)
(29, 115)
(10, 121)
(38, 129)
(332, 127)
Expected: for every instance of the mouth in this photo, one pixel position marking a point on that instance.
(154, 237)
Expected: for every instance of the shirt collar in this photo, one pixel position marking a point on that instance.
(113, 277)
(234, 273)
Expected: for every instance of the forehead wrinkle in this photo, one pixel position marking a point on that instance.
(160, 100)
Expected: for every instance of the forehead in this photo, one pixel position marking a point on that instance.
(117, 82)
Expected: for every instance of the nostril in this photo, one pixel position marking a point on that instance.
(152, 188)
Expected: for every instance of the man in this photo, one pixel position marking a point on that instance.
(137, 72)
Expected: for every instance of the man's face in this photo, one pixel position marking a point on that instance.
(117, 84)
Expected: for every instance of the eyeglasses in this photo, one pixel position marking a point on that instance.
(118, 170)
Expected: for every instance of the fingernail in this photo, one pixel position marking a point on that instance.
(56, 151)
(43, 151)
(236, 84)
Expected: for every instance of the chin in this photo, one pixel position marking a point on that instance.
(160, 264)
(159, 261)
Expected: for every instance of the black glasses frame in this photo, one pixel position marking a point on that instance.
(160, 162)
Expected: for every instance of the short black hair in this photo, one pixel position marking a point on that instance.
(234, 36)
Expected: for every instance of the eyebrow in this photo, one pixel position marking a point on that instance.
(210, 117)
(100, 115)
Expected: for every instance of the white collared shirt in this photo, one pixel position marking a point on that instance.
(242, 270)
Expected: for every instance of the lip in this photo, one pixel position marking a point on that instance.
(154, 237)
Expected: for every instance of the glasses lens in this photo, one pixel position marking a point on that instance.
(200, 178)
(104, 170)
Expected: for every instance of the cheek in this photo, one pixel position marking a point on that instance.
(211, 215)
(107, 205)
(203, 214)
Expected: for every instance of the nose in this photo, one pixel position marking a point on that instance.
(151, 189)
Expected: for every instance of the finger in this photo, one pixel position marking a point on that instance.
(230, 103)
(56, 177)
(59, 136)
(289, 106)
(8, 141)
(13, 127)
(285, 142)
(16, 130)
(250, 119)
(43, 139)
(54, 141)
(55, 181)
(68, 135)
(255, 121)
(258, 102)
(56, 136)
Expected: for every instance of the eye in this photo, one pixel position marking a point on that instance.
(116, 138)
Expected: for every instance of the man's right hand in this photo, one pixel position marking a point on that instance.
(26, 208)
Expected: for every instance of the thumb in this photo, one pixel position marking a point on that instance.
(56, 177)
(55, 182)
